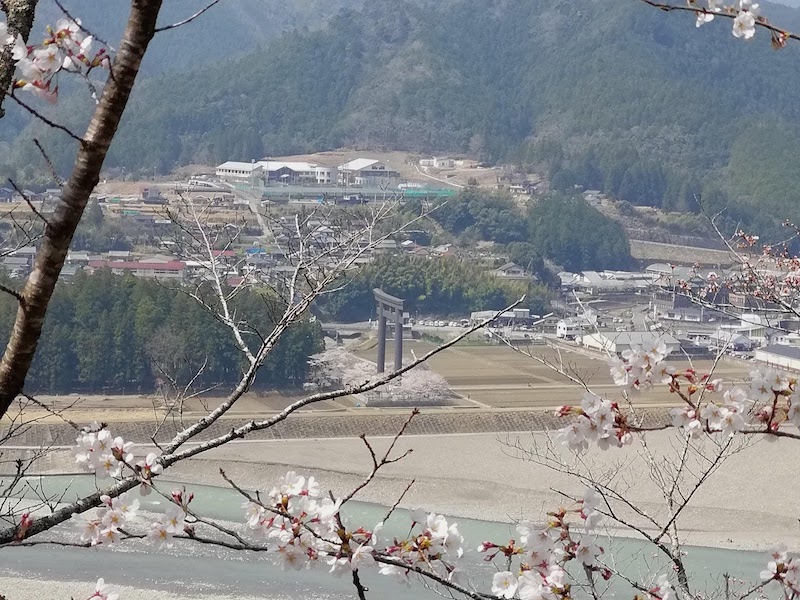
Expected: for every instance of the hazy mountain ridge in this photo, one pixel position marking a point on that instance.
(609, 94)
(230, 28)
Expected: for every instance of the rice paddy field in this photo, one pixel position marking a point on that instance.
(497, 377)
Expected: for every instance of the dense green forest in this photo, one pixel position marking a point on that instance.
(609, 95)
(575, 235)
(562, 228)
(475, 215)
(115, 334)
(445, 286)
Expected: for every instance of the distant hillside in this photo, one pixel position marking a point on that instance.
(231, 28)
(606, 94)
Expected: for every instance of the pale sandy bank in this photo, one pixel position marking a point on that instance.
(750, 502)
(18, 588)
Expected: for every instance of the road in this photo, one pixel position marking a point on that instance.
(444, 181)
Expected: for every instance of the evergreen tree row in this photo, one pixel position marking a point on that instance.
(120, 334)
(430, 287)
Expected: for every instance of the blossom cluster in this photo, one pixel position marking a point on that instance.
(639, 367)
(171, 522)
(98, 452)
(784, 570)
(745, 15)
(306, 528)
(770, 400)
(105, 525)
(303, 526)
(599, 422)
(543, 552)
(432, 544)
(66, 47)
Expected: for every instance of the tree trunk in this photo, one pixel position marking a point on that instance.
(61, 225)
(19, 16)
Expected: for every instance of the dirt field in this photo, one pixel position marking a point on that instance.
(497, 377)
(487, 377)
(84, 408)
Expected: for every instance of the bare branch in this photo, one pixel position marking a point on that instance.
(187, 20)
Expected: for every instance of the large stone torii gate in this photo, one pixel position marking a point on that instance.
(389, 307)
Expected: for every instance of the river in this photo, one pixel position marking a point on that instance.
(208, 570)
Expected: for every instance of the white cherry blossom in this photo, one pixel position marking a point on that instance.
(587, 552)
(102, 591)
(159, 535)
(362, 557)
(530, 586)
(744, 25)
(504, 584)
(663, 589)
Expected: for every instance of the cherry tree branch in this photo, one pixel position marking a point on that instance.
(694, 8)
(385, 460)
(188, 19)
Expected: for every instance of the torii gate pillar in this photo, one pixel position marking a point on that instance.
(389, 308)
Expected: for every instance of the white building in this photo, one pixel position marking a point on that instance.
(443, 162)
(780, 356)
(570, 328)
(786, 338)
(239, 171)
(289, 171)
(368, 173)
(618, 342)
(326, 175)
(725, 338)
(437, 162)
(280, 171)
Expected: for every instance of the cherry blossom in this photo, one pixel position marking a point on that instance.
(504, 584)
(160, 535)
(663, 589)
(102, 591)
(146, 469)
(104, 525)
(66, 47)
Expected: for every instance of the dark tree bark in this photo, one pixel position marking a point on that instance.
(60, 228)
(19, 16)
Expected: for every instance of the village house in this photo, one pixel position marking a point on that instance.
(240, 172)
(572, 327)
(619, 342)
(437, 162)
(367, 173)
(509, 270)
(172, 270)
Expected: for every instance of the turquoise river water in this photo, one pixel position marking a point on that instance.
(206, 570)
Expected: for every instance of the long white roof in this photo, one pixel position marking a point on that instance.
(274, 165)
(239, 166)
(358, 164)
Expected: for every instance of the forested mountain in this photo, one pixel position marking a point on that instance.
(230, 29)
(609, 94)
